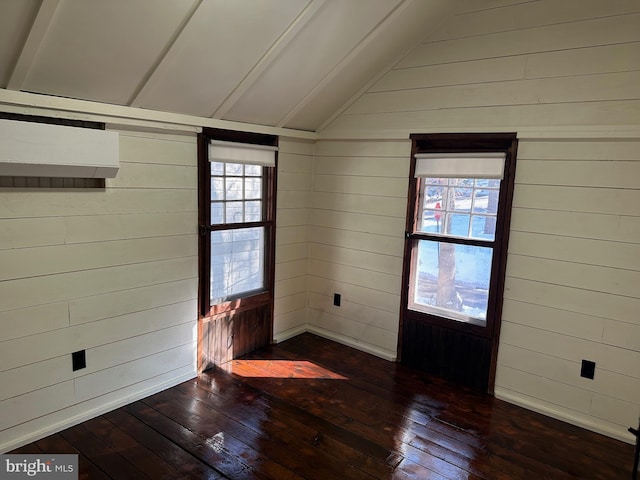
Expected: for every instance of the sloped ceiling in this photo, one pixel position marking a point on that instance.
(280, 63)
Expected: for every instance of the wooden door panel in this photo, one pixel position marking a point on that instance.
(451, 354)
(233, 334)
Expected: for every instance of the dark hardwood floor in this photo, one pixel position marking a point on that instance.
(312, 409)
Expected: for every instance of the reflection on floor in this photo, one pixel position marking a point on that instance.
(312, 409)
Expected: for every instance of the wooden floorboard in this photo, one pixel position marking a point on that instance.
(309, 408)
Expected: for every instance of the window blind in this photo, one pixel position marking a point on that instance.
(246, 153)
(460, 165)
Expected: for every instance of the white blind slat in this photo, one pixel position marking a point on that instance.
(460, 165)
(247, 153)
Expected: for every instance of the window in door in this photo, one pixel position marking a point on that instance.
(238, 219)
(456, 230)
(237, 254)
(455, 238)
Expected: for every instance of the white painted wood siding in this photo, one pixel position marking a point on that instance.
(356, 241)
(574, 256)
(525, 64)
(295, 159)
(572, 283)
(113, 272)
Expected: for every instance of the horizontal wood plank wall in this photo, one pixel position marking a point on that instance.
(574, 257)
(572, 283)
(113, 272)
(295, 159)
(356, 241)
(525, 64)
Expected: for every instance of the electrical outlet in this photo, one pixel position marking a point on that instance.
(78, 360)
(588, 369)
(336, 299)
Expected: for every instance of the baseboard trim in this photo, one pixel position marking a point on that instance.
(350, 342)
(290, 333)
(94, 412)
(549, 411)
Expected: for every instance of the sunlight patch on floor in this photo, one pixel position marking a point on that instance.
(279, 369)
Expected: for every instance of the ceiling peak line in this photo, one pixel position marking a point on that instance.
(136, 99)
(443, 8)
(271, 54)
(376, 31)
(39, 28)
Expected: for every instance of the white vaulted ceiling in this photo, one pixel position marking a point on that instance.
(281, 63)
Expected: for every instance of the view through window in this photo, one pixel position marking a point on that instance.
(237, 254)
(237, 189)
(456, 229)
(453, 275)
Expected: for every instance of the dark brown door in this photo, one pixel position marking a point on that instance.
(460, 194)
(237, 206)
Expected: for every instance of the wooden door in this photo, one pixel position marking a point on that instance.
(237, 205)
(458, 214)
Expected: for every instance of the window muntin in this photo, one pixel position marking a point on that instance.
(460, 207)
(236, 193)
(455, 230)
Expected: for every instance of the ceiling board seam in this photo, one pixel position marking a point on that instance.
(39, 28)
(136, 98)
(514, 4)
(269, 56)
